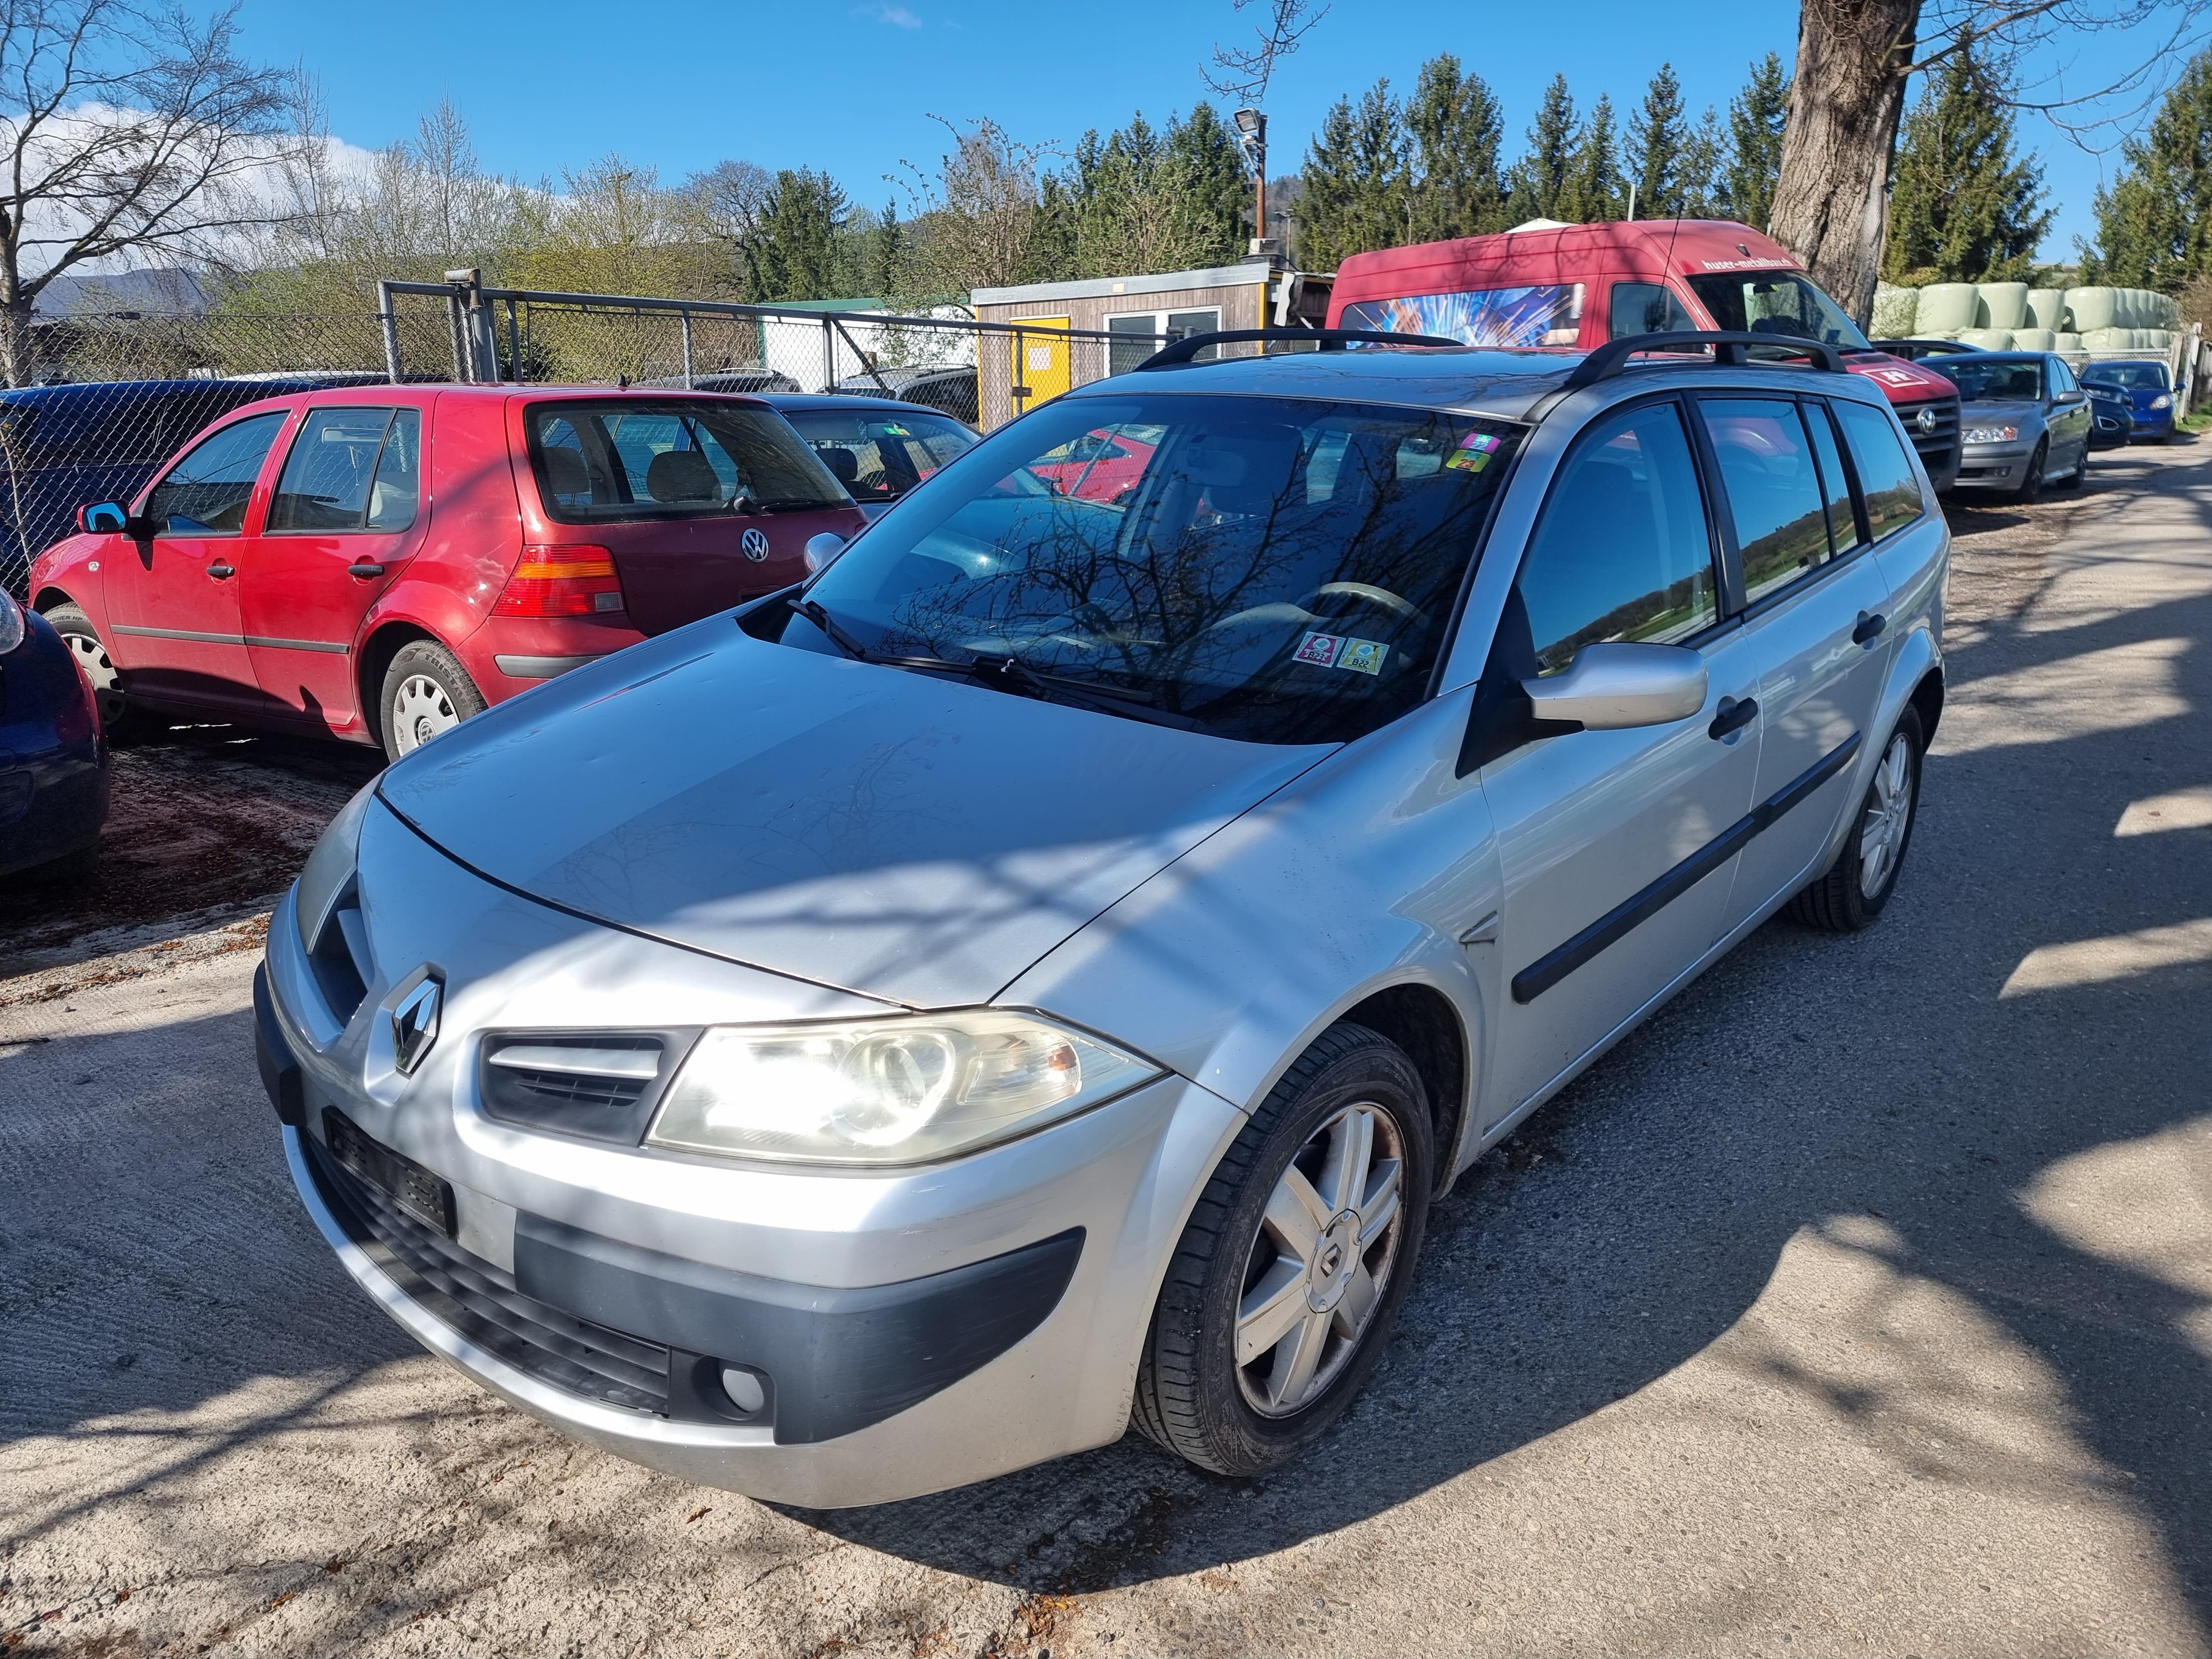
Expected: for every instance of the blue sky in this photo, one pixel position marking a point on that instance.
(850, 88)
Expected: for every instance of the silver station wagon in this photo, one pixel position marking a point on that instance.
(1034, 978)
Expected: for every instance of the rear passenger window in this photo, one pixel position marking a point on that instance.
(1887, 477)
(1836, 483)
(350, 470)
(1622, 552)
(1645, 308)
(1773, 489)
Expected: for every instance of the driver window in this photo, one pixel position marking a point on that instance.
(206, 494)
(1622, 552)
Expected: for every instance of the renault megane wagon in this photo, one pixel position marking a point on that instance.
(1034, 975)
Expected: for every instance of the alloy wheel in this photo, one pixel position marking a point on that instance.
(1888, 813)
(420, 710)
(1315, 1272)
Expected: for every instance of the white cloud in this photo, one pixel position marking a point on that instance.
(897, 16)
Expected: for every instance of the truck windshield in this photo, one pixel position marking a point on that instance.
(1273, 571)
(1775, 302)
(604, 461)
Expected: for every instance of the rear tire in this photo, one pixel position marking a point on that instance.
(1289, 1275)
(1864, 875)
(119, 717)
(427, 692)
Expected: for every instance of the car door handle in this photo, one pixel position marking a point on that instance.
(1870, 624)
(222, 573)
(365, 568)
(1733, 716)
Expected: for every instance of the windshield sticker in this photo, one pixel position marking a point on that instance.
(1337, 651)
(1473, 453)
(1548, 315)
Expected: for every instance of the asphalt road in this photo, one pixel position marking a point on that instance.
(1861, 1303)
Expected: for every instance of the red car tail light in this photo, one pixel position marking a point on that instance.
(561, 581)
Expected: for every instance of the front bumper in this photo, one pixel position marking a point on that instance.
(1994, 467)
(912, 1330)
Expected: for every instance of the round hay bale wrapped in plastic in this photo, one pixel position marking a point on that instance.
(2066, 340)
(2046, 309)
(2000, 305)
(2093, 309)
(1989, 339)
(2034, 339)
(1945, 309)
(1893, 311)
(2105, 339)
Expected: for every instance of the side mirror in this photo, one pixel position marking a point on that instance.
(103, 519)
(1611, 688)
(2070, 396)
(821, 551)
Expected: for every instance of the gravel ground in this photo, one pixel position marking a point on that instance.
(1861, 1302)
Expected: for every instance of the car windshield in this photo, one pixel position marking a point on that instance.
(2129, 376)
(606, 461)
(879, 456)
(1273, 571)
(1775, 302)
(1996, 381)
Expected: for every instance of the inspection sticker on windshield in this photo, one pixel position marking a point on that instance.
(1336, 651)
(1473, 455)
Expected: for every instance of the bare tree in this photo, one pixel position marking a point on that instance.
(127, 128)
(1241, 73)
(976, 215)
(1847, 97)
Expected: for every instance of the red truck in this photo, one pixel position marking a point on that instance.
(379, 563)
(1574, 287)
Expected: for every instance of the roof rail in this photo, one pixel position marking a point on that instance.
(1728, 349)
(1330, 339)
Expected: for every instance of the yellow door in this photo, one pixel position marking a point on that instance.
(1040, 363)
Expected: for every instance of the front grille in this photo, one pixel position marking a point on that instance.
(1939, 449)
(602, 1086)
(480, 1302)
(339, 956)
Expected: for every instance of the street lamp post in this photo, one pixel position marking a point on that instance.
(1252, 128)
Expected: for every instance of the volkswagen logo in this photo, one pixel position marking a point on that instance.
(415, 1023)
(1926, 422)
(755, 544)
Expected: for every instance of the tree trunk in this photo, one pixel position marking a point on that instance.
(1831, 201)
(19, 363)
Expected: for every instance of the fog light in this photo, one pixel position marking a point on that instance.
(744, 1388)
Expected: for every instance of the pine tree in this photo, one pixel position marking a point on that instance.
(1209, 169)
(1143, 199)
(1962, 208)
(1359, 181)
(1658, 148)
(1757, 116)
(1540, 177)
(1595, 190)
(1701, 187)
(1457, 128)
(2154, 221)
(796, 256)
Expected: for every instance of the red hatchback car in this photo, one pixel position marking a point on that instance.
(380, 563)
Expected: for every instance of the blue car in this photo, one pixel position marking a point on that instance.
(53, 762)
(2149, 390)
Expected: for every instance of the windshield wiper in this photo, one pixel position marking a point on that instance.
(1010, 672)
(812, 610)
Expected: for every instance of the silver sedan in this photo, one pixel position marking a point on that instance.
(1035, 978)
(2024, 422)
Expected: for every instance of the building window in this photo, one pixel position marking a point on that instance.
(1149, 326)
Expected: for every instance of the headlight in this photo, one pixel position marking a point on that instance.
(2162, 401)
(906, 1089)
(12, 625)
(330, 866)
(1991, 435)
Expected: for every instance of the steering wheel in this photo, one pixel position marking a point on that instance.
(1382, 598)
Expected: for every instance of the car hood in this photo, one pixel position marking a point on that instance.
(901, 835)
(1983, 412)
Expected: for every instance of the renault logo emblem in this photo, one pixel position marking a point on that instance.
(755, 544)
(415, 1024)
(1926, 422)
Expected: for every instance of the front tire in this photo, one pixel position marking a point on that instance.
(427, 692)
(1855, 889)
(119, 717)
(1290, 1272)
(2030, 487)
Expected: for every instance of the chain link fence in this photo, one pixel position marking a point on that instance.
(106, 397)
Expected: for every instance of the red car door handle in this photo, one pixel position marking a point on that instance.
(365, 568)
(222, 572)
